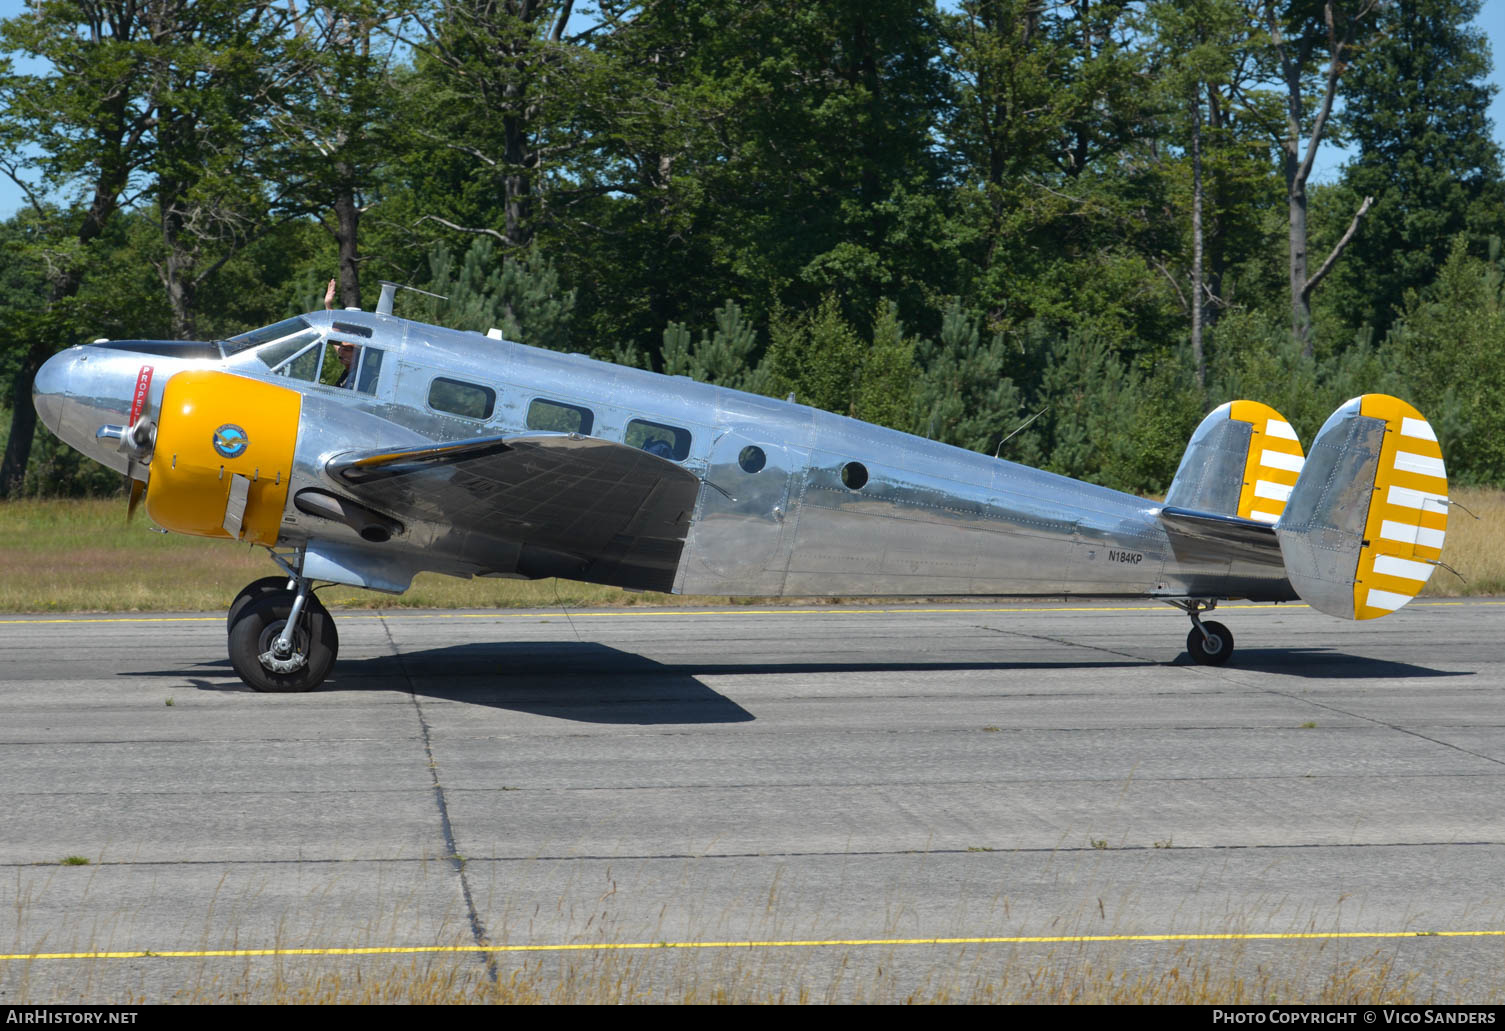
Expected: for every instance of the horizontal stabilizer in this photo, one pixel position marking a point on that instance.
(1364, 526)
(1226, 537)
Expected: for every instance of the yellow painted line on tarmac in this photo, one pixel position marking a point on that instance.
(120, 619)
(1063, 939)
(357, 614)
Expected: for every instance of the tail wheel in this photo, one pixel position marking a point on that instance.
(253, 639)
(1215, 648)
(250, 592)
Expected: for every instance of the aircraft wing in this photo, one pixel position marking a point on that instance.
(544, 505)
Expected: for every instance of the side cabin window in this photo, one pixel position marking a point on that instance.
(657, 439)
(558, 417)
(469, 400)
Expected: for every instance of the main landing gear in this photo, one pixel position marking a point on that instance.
(1209, 643)
(282, 638)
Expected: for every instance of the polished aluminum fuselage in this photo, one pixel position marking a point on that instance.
(930, 519)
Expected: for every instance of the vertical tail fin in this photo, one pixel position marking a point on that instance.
(1365, 522)
(1243, 460)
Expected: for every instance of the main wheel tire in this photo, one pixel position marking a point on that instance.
(250, 592)
(260, 622)
(1214, 652)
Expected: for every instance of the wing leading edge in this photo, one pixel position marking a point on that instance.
(545, 505)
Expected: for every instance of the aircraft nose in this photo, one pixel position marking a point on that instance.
(49, 390)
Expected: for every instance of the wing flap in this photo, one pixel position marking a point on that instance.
(545, 505)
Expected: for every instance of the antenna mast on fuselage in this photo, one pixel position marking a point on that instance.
(389, 292)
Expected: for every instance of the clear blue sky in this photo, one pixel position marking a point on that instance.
(1491, 19)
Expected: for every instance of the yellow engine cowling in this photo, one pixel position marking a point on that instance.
(223, 456)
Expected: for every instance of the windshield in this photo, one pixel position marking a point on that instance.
(275, 355)
(257, 337)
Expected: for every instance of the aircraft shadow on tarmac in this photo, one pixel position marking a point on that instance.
(594, 683)
(588, 683)
(1327, 664)
(582, 681)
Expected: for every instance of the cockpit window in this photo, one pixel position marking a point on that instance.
(276, 355)
(370, 370)
(265, 335)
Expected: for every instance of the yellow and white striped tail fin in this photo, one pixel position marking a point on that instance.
(1408, 515)
(1243, 460)
(1273, 464)
(1364, 525)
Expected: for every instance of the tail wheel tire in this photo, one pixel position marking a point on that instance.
(1212, 650)
(250, 592)
(316, 643)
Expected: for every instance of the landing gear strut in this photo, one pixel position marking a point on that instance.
(1210, 643)
(281, 640)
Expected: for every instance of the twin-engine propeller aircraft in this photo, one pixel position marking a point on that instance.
(359, 448)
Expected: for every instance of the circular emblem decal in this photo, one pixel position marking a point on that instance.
(231, 441)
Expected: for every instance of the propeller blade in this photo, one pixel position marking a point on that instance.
(138, 491)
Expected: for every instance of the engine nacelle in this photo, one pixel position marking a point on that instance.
(224, 456)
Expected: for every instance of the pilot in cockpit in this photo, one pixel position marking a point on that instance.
(346, 354)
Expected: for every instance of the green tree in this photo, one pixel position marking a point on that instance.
(965, 396)
(1451, 361)
(723, 356)
(495, 80)
(215, 73)
(767, 152)
(79, 128)
(1417, 106)
(520, 295)
(330, 120)
(1304, 34)
(886, 393)
(1204, 56)
(817, 357)
(1056, 214)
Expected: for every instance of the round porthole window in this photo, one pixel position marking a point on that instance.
(752, 459)
(854, 475)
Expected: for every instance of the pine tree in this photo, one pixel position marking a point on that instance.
(1418, 110)
(520, 296)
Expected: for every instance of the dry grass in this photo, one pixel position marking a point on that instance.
(1310, 973)
(1475, 544)
(1074, 980)
(81, 556)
